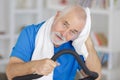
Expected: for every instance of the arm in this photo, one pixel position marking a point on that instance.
(22, 51)
(92, 61)
(17, 67)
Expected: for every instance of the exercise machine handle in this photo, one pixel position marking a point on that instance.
(91, 75)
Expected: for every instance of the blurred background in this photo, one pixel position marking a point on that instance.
(105, 32)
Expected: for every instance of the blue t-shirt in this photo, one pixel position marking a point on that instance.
(25, 46)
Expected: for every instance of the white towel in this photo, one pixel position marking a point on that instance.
(79, 43)
(43, 45)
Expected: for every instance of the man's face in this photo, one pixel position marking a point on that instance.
(66, 28)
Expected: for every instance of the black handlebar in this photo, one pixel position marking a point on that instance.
(91, 75)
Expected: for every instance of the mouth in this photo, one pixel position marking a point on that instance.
(59, 37)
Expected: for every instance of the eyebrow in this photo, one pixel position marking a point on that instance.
(76, 30)
(66, 22)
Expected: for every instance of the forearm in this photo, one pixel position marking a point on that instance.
(93, 62)
(19, 69)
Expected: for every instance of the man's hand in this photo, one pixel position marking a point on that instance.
(44, 66)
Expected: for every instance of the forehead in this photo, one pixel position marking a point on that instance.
(75, 22)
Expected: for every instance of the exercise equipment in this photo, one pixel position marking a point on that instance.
(91, 75)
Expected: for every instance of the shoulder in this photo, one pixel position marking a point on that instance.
(30, 31)
(33, 28)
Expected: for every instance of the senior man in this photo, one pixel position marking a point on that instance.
(68, 29)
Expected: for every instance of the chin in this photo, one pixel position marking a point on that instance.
(58, 44)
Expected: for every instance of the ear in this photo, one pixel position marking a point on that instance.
(57, 14)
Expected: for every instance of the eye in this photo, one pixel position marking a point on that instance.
(72, 33)
(65, 25)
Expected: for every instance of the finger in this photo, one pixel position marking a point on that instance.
(47, 71)
(53, 64)
(58, 64)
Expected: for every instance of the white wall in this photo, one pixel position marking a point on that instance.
(4, 15)
(2, 11)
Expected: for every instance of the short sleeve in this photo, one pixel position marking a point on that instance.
(25, 44)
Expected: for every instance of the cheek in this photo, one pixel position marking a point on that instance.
(57, 27)
(68, 37)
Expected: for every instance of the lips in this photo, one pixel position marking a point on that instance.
(59, 37)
